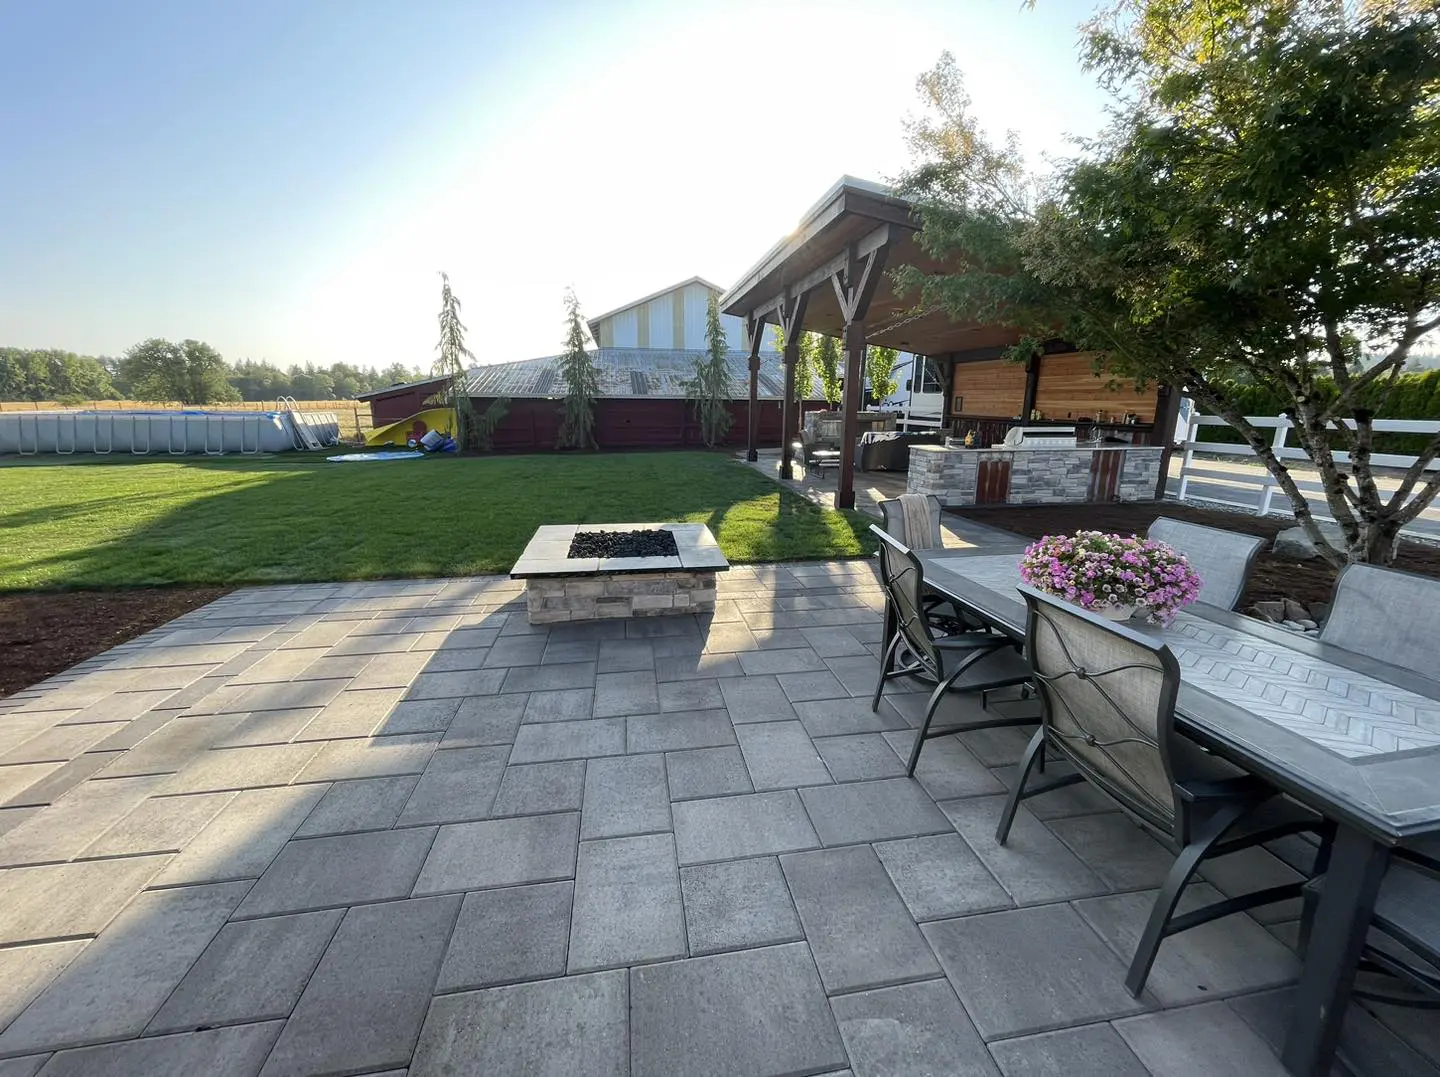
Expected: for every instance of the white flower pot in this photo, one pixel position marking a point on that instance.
(1115, 613)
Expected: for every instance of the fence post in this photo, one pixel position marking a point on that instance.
(1192, 428)
(1277, 444)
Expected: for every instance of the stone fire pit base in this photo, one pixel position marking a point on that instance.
(559, 587)
(608, 594)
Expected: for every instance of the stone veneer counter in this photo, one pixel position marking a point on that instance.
(559, 587)
(1041, 476)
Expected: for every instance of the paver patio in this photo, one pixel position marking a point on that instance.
(365, 828)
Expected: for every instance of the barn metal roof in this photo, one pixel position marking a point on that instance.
(624, 372)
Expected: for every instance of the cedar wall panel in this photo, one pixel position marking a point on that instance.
(995, 387)
(1069, 389)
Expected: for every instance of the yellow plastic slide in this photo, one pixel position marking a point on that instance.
(415, 426)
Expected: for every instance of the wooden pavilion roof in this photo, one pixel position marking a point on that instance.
(854, 217)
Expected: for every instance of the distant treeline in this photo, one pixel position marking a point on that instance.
(51, 374)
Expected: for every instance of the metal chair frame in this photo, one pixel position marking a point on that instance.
(1425, 983)
(908, 630)
(1201, 812)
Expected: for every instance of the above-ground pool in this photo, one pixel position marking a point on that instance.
(158, 431)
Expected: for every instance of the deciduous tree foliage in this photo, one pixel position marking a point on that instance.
(827, 365)
(880, 370)
(710, 389)
(582, 382)
(1265, 200)
(51, 374)
(190, 372)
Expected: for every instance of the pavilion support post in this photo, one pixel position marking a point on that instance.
(850, 425)
(791, 311)
(788, 408)
(1167, 413)
(854, 286)
(1032, 389)
(752, 414)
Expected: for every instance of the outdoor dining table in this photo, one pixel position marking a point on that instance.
(1340, 731)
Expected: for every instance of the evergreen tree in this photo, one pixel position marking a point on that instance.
(710, 389)
(582, 382)
(451, 363)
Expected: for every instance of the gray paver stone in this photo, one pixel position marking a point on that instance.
(858, 927)
(345, 869)
(727, 828)
(536, 788)
(911, 1031)
(113, 988)
(625, 795)
(872, 811)
(255, 970)
(501, 852)
(754, 1011)
(362, 804)
(627, 903)
(507, 936)
(220, 1052)
(991, 960)
(737, 905)
(706, 772)
(577, 1025)
(457, 786)
(363, 1007)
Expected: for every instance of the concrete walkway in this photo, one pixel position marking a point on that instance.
(388, 827)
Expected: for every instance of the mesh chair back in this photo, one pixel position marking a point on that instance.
(914, 520)
(1109, 702)
(1388, 614)
(1221, 558)
(903, 580)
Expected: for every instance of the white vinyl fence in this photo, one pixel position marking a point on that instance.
(1231, 475)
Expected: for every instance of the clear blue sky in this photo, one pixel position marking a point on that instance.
(285, 179)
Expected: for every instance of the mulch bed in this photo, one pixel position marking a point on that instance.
(43, 634)
(1307, 582)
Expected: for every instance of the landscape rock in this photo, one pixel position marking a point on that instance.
(1294, 611)
(1293, 544)
(1274, 612)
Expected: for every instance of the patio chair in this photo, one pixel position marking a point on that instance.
(1223, 559)
(1108, 699)
(930, 656)
(1386, 613)
(913, 520)
(1401, 959)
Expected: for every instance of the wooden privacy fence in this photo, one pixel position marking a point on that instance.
(1254, 488)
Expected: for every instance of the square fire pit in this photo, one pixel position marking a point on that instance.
(560, 587)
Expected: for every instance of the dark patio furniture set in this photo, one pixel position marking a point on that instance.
(1215, 733)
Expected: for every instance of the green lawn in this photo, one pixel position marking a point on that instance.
(235, 520)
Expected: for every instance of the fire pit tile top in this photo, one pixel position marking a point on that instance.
(548, 552)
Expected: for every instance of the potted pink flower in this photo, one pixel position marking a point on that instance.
(1116, 576)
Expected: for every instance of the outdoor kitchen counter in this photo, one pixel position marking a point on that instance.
(1039, 476)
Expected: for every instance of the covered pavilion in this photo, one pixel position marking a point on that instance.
(830, 276)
